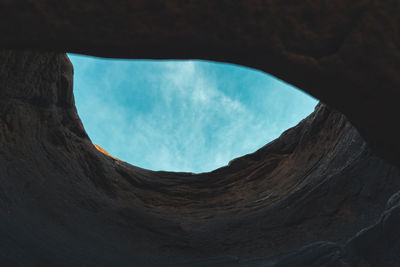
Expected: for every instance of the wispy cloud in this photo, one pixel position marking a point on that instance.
(175, 116)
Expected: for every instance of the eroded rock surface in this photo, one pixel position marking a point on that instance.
(345, 53)
(298, 201)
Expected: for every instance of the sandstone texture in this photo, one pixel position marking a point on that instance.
(345, 53)
(325, 193)
(302, 198)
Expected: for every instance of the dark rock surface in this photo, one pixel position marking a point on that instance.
(316, 196)
(345, 53)
(301, 200)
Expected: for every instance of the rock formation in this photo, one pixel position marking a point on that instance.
(319, 195)
(345, 53)
(66, 203)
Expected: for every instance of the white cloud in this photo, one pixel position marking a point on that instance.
(192, 125)
(187, 142)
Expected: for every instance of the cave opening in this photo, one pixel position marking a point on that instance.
(182, 115)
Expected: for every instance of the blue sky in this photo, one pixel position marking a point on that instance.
(192, 116)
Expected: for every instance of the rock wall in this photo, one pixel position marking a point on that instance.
(316, 196)
(345, 53)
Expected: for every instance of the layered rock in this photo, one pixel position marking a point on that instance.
(298, 201)
(345, 53)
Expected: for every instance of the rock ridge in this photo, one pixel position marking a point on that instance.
(302, 199)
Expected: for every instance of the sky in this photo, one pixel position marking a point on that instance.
(176, 115)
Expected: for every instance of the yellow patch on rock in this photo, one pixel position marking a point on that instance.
(105, 152)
